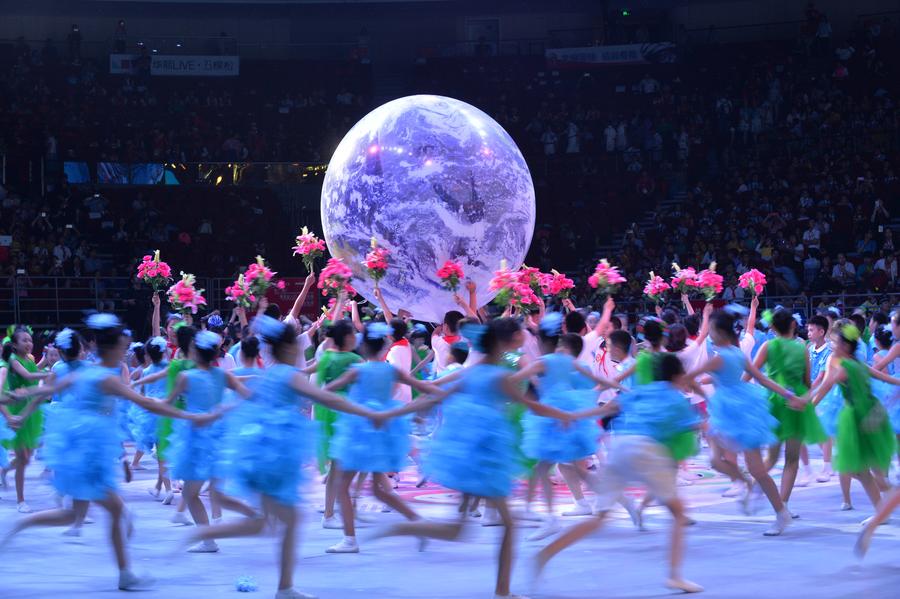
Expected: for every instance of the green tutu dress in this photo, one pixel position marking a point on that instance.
(330, 367)
(29, 434)
(865, 438)
(164, 426)
(786, 365)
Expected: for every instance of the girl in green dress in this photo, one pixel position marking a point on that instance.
(865, 441)
(333, 363)
(23, 372)
(786, 362)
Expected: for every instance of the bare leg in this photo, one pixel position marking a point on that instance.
(23, 457)
(887, 507)
(760, 473)
(136, 461)
(191, 496)
(774, 453)
(729, 468)
(791, 466)
(676, 543)
(288, 515)
(231, 504)
(542, 473)
(568, 538)
(113, 504)
(248, 527)
(331, 486)
(871, 487)
(570, 474)
(381, 487)
(60, 517)
(504, 564)
(844, 479)
(343, 495)
(441, 531)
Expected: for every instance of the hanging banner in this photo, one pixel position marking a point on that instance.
(292, 288)
(175, 65)
(593, 56)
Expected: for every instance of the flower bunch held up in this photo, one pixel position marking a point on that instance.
(684, 282)
(154, 272)
(556, 284)
(184, 296)
(450, 274)
(710, 282)
(606, 278)
(512, 292)
(531, 276)
(656, 288)
(239, 293)
(376, 262)
(753, 281)
(259, 277)
(309, 247)
(336, 277)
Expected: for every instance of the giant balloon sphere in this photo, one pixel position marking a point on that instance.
(431, 179)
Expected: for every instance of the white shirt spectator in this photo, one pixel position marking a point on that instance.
(812, 238)
(649, 85)
(400, 357)
(845, 273)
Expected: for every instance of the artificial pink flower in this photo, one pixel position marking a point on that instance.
(450, 274)
(154, 272)
(309, 247)
(556, 283)
(753, 281)
(336, 277)
(656, 288)
(710, 282)
(684, 280)
(184, 297)
(606, 278)
(376, 262)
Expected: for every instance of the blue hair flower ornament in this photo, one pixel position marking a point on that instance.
(269, 328)
(474, 333)
(215, 321)
(551, 324)
(378, 330)
(102, 321)
(159, 343)
(64, 339)
(207, 340)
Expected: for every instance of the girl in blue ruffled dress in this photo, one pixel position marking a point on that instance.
(145, 424)
(889, 395)
(740, 418)
(265, 451)
(357, 445)
(195, 449)
(91, 438)
(559, 375)
(474, 451)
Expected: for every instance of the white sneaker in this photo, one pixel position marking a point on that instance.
(332, 523)
(825, 475)
(491, 518)
(475, 513)
(803, 478)
(23, 508)
(846, 507)
(581, 508)
(782, 520)
(181, 518)
(870, 518)
(128, 581)
(156, 494)
(170, 497)
(72, 531)
(345, 546)
(736, 489)
(208, 546)
(292, 594)
(685, 586)
(548, 529)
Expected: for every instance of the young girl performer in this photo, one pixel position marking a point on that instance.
(265, 453)
(91, 436)
(145, 424)
(545, 439)
(865, 440)
(739, 416)
(23, 374)
(652, 415)
(357, 445)
(474, 450)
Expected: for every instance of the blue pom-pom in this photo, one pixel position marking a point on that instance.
(246, 584)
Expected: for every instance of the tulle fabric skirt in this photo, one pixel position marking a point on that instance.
(83, 450)
(740, 417)
(801, 425)
(357, 445)
(864, 441)
(547, 440)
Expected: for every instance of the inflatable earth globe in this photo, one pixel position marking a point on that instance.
(431, 179)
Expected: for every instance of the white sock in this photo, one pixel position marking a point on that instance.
(350, 540)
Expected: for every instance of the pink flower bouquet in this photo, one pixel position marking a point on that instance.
(606, 278)
(656, 288)
(450, 274)
(556, 284)
(309, 247)
(335, 277)
(259, 278)
(528, 275)
(184, 296)
(154, 272)
(709, 282)
(512, 291)
(376, 262)
(239, 293)
(753, 281)
(684, 281)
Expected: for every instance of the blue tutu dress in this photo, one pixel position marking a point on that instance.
(658, 410)
(84, 453)
(739, 412)
(194, 448)
(269, 439)
(357, 445)
(888, 394)
(55, 416)
(143, 424)
(546, 439)
(474, 451)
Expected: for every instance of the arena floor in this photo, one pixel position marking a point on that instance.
(726, 553)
